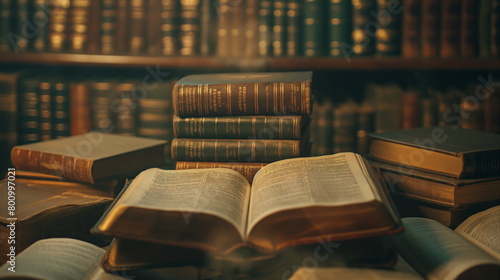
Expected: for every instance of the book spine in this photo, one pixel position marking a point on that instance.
(495, 28)
(122, 29)
(153, 27)
(279, 27)
(447, 101)
(156, 113)
(388, 35)
(430, 28)
(137, 26)
(206, 28)
(469, 26)
(362, 43)
(251, 27)
(224, 21)
(22, 17)
(237, 29)
(324, 125)
(450, 28)
(70, 167)
(5, 25)
(247, 169)
(58, 33)
(238, 127)
(79, 108)
(169, 27)
(265, 25)
(60, 105)
(189, 28)
(108, 26)
(293, 28)
(314, 17)
(45, 99)
(234, 150)
(484, 28)
(40, 15)
(126, 115)
(340, 26)
(29, 113)
(410, 110)
(94, 27)
(472, 114)
(429, 109)
(101, 105)
(78, 25)
(242, 99)
(410, 40)
(344, 129)
(481, 164)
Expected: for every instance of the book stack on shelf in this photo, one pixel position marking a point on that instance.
(61, 187)
(442, 173)
(241, 121)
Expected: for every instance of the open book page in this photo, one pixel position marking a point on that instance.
(320, 181)
(58, 258)
(221, 192)
(351, 273)
(437, 252)
(483, 228)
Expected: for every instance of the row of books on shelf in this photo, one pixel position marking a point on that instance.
(237, 29)
(345, 126)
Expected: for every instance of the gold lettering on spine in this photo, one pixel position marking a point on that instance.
(229, 101)
(256, 100)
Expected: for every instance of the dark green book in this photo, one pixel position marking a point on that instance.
(294, 28)
(156, 113)
(29, 112)
(314, 28)
(344, 125)
(45, 109)
(170, 27)
(484, 27)
(388, 34)
(366, 125)
(24, 28)
(279, 27)
(241, 127)
(265, 26)
(60, 106)
(323, 122)
(362, 42)
(339, 26)
(108, 26)
(5, 25)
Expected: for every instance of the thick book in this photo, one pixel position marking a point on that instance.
(46, 210)
(108, 26)
(388, 34)
(286, 93)
(78, 25)
(170, 27)
(250, 150)
(247, 169)
(279, 30)
(138, 25)
(454, 152)
(290, 203)
(450, 28)
(410, 36)
(437, 252)
(265, 27)
(436, 188)
(430, 28)
(339, 30)
(79, 107)
(241, 127)
(90, 157)
(314, 28)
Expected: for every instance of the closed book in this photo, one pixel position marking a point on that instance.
(101, 100)
(138, 25)
(122, 29)
(126, 115)
(79, 108)
(243, 94)
(108, 26)
(241, 127)
(388, 34)
(386, 100)
(237, 29)
(21, 35)
(29, 110)
(60, 107)
(78, 25)
(344, 124)
(363, 42)
(40, 14)
(251, 28)
(265, 27)
(247, 169)
(58, 25)
(314, 28)
(430, 28)
(153, 29)
(447, 100)
(453, 152)
(339, 26)
(170, 27)
(472, 114)
(184, 149)
(429, 112)
(189, 35)
(207, 28)
(156, 113)
(450, 28)
(9, 115)
(410, 37)
(224, 21)
(5, 25)
(323, 118)
(45, 97)
(495, 28)
(484, 28)
(410, 109)
(94, 27)
(279, 27)
(90, 157)
(469, 28)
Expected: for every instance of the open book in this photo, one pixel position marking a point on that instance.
(472, 251)
(291, 202)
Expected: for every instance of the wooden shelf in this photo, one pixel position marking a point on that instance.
(271, 63)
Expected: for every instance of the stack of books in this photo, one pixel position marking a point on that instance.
(60, 188)
(443, 173)
(240, 121)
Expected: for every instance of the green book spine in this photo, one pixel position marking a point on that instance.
(314, 17)
(244, 127)
(40, 15)
(108, 26)
(169, 27)
(251, 28)
(293, 28)
(340, 26)
(189, 28)
(29, 111)
(60, 105)
(265, 25)
(156, 113)
(5, 25)
(58, 25)
(450, 28)
(362, 42)
(430, 28)
(101, 97)
(234, 150)
(279, 27)
(388, 35)
(468, 36)
(484, 28)
(22, 18)
(495, 28)
(138, 33)
(46, 111)
(410, 41)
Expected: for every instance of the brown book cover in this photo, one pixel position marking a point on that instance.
(90, 157)
(286, 93)
(154, 26)
(451, 151)
(122, 37)
(469, 28)
(450, 28)
(189, 28)
(79, 25)
(79, 108)
(410, 109)
(94, 25)
(411, 28)
(170, 27)
(247, 169)
(430, 28)
(138, 25)
(224, 21)
(58, 25)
